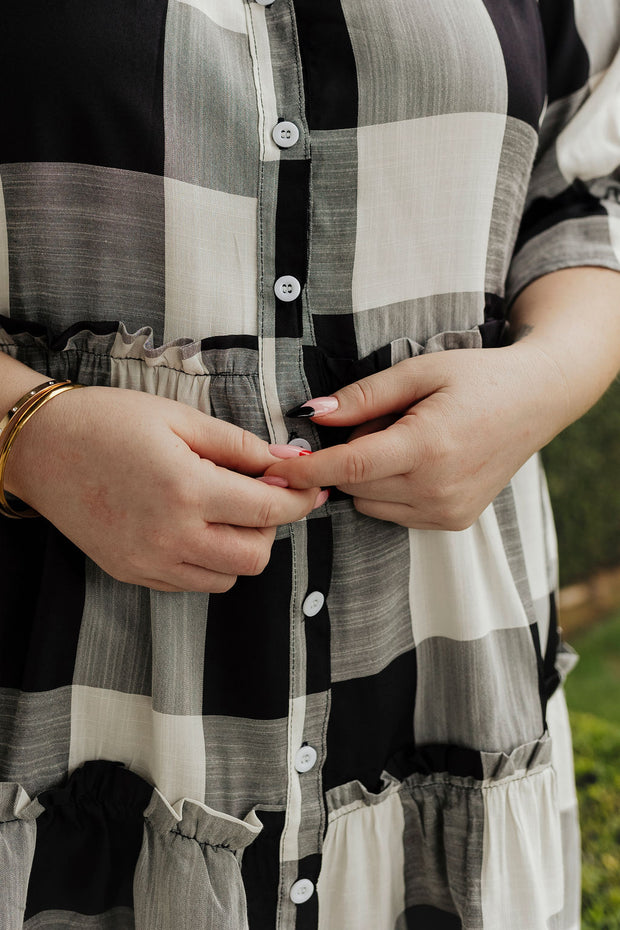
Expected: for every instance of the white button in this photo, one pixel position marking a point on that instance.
(305, 758)
(264, 2)
(302, 443)
(301, 891)
(285, 134)
(313, 604)
(287, 288)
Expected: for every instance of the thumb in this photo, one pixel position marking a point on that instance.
(224, 444)
(389, 391)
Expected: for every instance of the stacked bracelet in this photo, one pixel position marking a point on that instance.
(11, 426)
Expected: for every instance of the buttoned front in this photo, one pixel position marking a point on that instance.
(287, 288)
(305, 759)
(313, 604)
(301, 891)
(240, 205)
(285, 134)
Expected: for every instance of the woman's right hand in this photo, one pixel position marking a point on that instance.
(152, 490)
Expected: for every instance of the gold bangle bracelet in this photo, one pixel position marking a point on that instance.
(12, 431)
(28, 396)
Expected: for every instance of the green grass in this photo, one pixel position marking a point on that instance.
(594, 685)
(593, 695)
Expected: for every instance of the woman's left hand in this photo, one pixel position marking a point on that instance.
(438, 436)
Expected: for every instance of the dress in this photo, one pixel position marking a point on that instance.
(371, 735)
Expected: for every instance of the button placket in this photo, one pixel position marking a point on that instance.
(301, 891)
(313, 604)
(285, 134)
(305, 759)
(287, 288)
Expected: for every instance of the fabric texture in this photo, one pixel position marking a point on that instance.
(449, 153)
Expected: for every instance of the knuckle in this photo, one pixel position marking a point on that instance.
(362, 392)
(247, 442)
(356, 468)
(265, 515)
(457, 518)
(256, 559)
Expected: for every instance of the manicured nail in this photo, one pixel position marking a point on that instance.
(315, 407)
(287, 452)
(274, 480)
(320, 499)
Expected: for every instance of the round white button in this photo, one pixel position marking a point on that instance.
(313, 604)
(264, 2)
(287, 288)
(305, 758)
(285, 134)
(301, 891)
(302, 443)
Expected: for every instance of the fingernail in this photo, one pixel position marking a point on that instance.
(274, 480)
(315, 407)
(287, 452)
(320, 499)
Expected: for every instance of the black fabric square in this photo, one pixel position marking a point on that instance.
(330, 73)
(425, 917)
(519, 31)
(246, 671)
(88, 841)
(370, 720)
(41, 609)
(260, 869)
(545, 212)
(82, 82)
(567, 58)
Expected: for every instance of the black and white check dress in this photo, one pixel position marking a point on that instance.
(371, 735)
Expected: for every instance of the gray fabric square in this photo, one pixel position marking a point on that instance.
(114, 649)
(464, 72)
(481, 693)
(245, 764)
(178, 629)
(210, 113)
(359, 590)
(85, 243)
(517, 155)
(443, 836)
(334, 220)
(35, 730)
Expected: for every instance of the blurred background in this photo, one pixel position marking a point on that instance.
(583, 471)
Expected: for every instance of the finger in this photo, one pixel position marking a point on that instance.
(378, 395)
(396, 490)
(242, 501)
(393, 451)
(401, 514)
(231, 550)
(224, 444)
(186, 577)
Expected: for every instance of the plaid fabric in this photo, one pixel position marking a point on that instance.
(148, 740)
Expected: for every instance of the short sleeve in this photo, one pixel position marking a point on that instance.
(572, 209)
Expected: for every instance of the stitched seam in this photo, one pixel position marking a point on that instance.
(202, 844)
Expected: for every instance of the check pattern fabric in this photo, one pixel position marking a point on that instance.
(449, 153)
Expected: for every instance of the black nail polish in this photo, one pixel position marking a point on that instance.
(298, 413)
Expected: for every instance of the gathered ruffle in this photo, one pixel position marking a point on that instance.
(452, 842)
(106, 842)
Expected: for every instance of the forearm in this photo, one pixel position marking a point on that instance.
(573, 317)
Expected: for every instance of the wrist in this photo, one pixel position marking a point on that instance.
(546, 386)
(15, 453)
